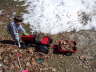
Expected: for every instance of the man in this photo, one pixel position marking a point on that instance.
(15, 28)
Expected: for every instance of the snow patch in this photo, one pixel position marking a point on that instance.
(55, 16)
(1, 12)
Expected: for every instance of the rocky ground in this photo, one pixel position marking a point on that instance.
(84, 60)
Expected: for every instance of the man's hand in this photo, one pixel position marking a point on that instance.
(17, 37)
(25, 33)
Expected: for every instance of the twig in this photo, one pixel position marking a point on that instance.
(20, 64)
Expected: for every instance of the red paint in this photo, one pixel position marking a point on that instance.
(45, 40)
(28, 38)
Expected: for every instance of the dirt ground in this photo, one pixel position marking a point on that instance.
(82, 61)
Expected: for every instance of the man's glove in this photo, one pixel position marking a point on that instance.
(25, 33)
(17, 37)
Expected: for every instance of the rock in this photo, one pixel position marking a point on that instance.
(1, 58)
(53, 69)
(33, 62)
(1, 64)
(1, 70)
(28, 64)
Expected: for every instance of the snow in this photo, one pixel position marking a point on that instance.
(1, 12)
(18, 0)
(56, 16)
